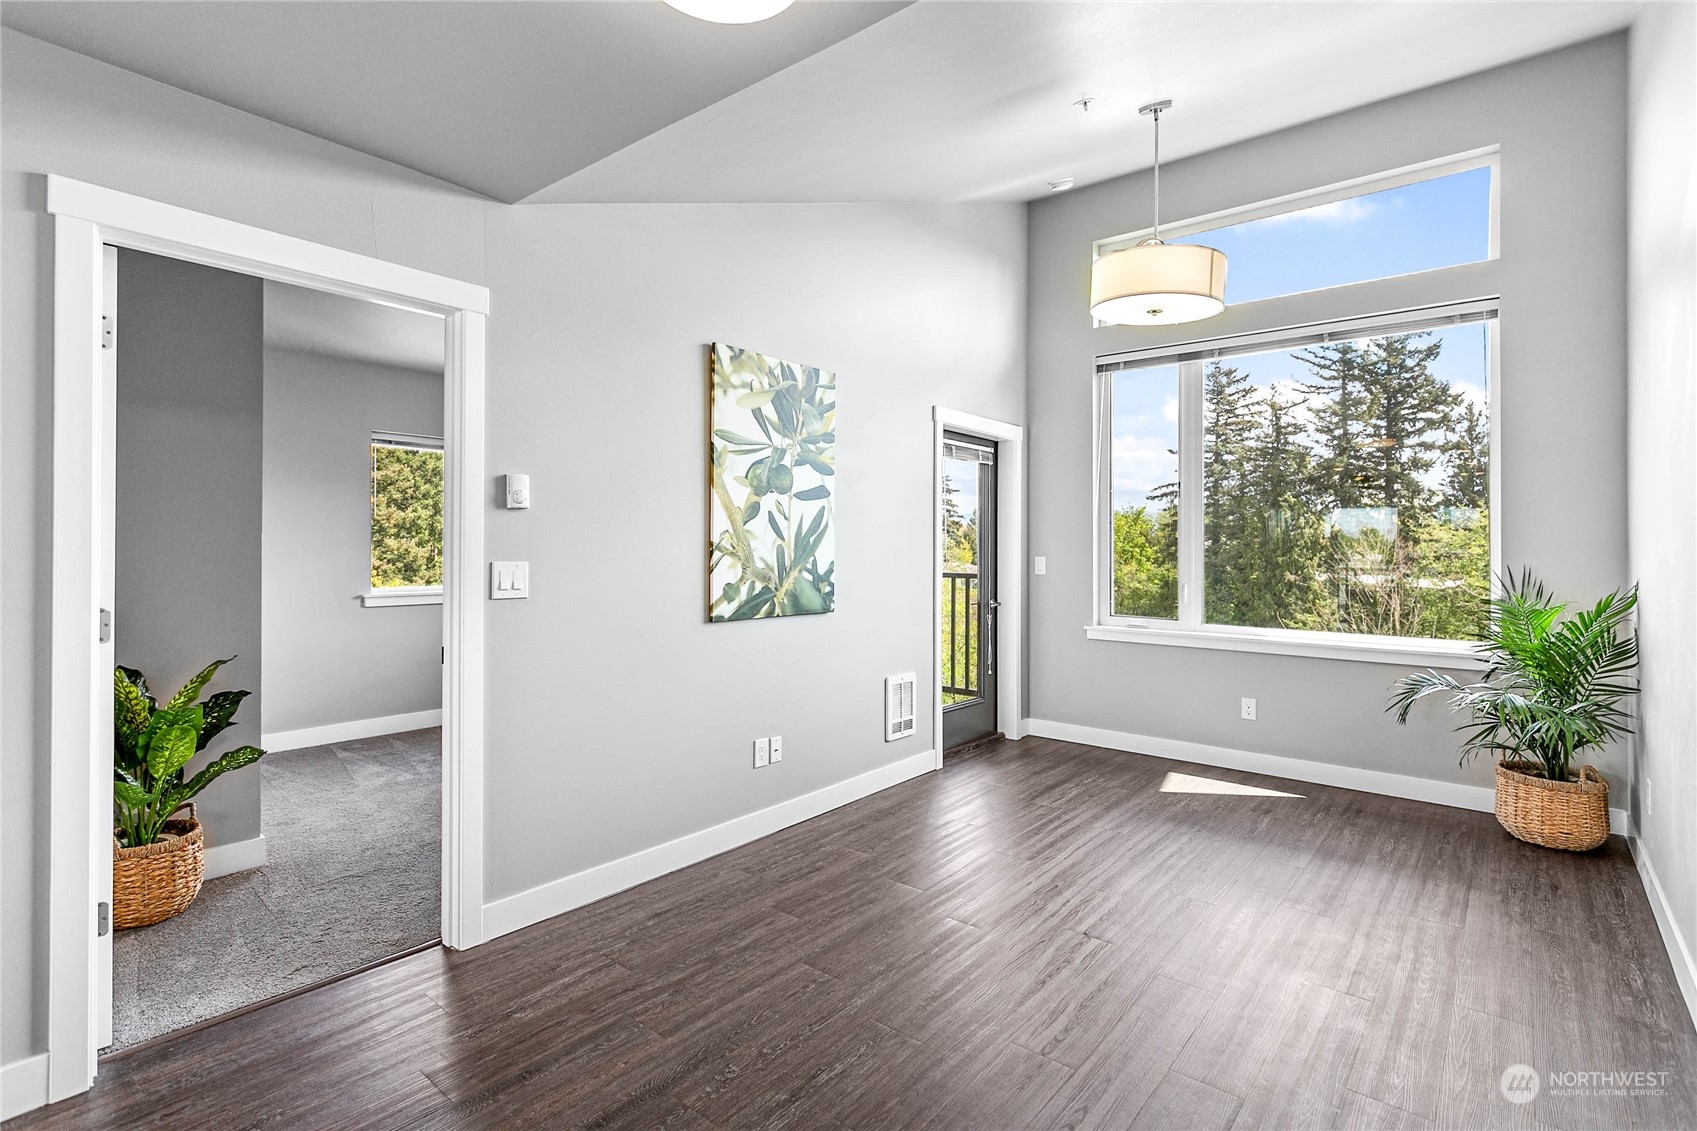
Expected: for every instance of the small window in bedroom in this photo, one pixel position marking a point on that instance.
(406, 515)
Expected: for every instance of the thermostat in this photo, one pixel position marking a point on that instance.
(518, 491)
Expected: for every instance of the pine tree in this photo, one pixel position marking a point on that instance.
(1289, 530)
(1467, 476)
(1407, 415)
(1232, 417)
(960, 535)
(1339, 398)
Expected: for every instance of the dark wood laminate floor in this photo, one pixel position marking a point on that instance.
(1037, 936)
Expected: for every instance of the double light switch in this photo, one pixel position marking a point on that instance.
(509, 580)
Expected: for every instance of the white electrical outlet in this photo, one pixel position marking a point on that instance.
(762, 752)
(1249, 709)
(777, 748)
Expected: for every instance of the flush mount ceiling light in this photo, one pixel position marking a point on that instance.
(731, 11)
(1154, 283)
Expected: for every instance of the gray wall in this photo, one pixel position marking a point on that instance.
(1560, 120)
(618, 719)
(328, 659)
(189, 501)
(1662, 261)
(596, 362)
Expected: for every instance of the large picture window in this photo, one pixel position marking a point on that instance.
(1335, 482)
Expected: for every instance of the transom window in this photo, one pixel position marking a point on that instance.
(1441, 214)
(1331, 481)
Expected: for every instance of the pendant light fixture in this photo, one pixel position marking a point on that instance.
(731, 11)
(1154, 283)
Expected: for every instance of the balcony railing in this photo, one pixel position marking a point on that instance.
(960, 636)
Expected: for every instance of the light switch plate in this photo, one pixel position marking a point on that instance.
(509, 580)
(1042, 566)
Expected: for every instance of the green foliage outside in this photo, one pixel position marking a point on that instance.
(960, 555)
(152, 744)
(1357, 502)
(406, 517)
(1553, 688)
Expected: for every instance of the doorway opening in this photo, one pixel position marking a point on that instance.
(970, 602)
(90, 222)
(304, 433)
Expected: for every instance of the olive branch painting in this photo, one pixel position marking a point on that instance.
(771, 476)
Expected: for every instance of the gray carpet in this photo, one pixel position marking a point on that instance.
(353, 844)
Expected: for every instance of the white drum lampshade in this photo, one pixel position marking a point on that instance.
(1158, 284)
(731, 11)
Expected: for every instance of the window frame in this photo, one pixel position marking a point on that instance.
(1189, 629)
(1485, 157)
(391, 595)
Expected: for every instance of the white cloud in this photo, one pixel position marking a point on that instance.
(1169, 410)
(1337, 214)
(1142, 463)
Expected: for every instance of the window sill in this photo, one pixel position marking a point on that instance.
(412, 595)
(1373, 649)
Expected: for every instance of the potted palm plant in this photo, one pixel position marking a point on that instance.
(1552, 689)
(158, 859)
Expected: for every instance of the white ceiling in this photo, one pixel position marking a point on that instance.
(974, 101)
(943, 100)
(497, 96)
(301, 319)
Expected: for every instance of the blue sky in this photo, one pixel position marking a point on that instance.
(963, 477)
(1418, 227)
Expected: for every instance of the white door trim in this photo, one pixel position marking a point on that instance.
(1010, 566)
(86, 218)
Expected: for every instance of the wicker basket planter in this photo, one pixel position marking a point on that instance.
(1556, 814)
(153, 882)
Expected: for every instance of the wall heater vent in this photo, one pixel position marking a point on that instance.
(898, 705)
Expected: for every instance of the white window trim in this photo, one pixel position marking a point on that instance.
(1289, 642)
(402, 595)
(406, 440)
(1189, 630)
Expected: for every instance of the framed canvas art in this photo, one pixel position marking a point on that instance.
(771, 479)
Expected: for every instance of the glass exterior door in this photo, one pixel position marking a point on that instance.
(968, 589)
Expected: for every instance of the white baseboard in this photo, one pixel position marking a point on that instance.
(1679, 954)
(227, 859)
(23, 1085)
(558, 896)
(349, 731)
(1457, 795)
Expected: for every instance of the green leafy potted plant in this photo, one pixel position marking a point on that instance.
(1552, 689)
(158, 859)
